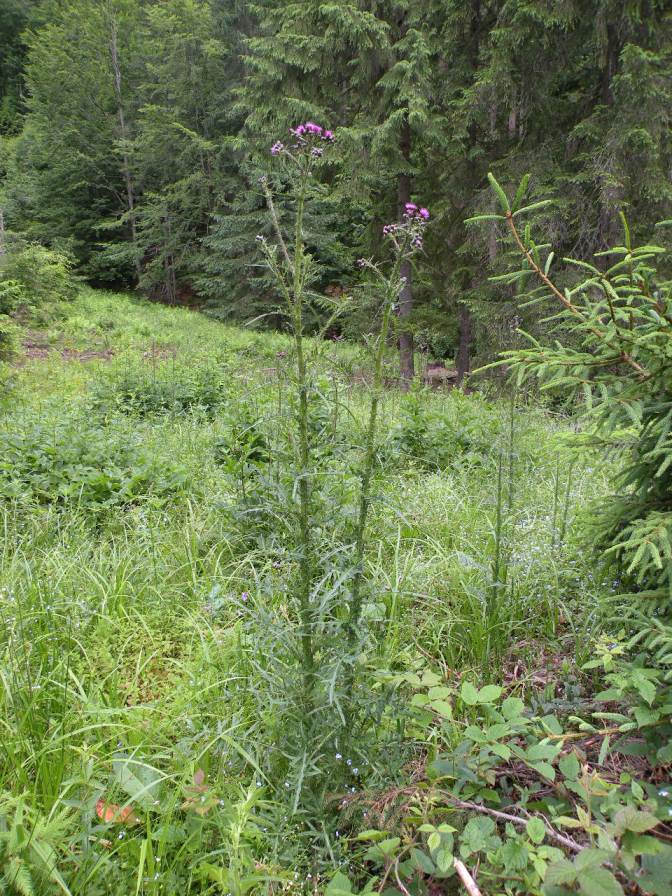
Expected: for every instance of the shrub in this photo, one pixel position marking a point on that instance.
(9, 338)
(36, 277)
(11, 296)
(78, 462)
(435, 439)
(175, 389)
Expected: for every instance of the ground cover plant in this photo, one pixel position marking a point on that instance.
(273, 624)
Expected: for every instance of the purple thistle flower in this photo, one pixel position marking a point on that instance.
(328, 135)
(316, 152)
(245, 595)
(424, 214)
(277, 148)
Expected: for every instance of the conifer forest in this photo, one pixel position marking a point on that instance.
(335, 447)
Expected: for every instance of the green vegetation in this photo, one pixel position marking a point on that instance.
(133, 134)
(147, 678)
(305, 604)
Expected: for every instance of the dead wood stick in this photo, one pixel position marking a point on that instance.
(466, 878)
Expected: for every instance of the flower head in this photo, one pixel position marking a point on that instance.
(277, 148)
(310, 129)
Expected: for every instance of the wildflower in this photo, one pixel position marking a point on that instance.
(316, 152)
(338, 756)
(424, 214)
(310, 129)
(245, 595)
(277, 148)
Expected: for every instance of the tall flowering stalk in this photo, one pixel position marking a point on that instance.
(406, 239)
(291, 273)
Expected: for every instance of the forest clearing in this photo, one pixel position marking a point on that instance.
(335, 448)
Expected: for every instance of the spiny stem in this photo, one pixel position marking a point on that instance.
(305, 541)
(368, 462)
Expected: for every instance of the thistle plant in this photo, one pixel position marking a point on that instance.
(325, 627)
(405, 239)
(292, 273)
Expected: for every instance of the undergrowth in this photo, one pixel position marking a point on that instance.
(464, 712)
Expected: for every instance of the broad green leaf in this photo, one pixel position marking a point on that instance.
(339, 885)
(140, 781)
(630, 819)
(536, 830)
(599, 882)
(422, 861)
(468, 693)
(489, 693)
(442, 708)
(444, 859)
(512, 708)
(590, 858)
(570, 766)
(559, 873)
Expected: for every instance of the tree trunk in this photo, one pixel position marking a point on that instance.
(463, 360)
(406, 350)
(125, 160)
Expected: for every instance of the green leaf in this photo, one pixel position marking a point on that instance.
(604, 750)
(476, 219)
(444, 860)
(140, 781)
(520, 192)
(512, 708)
(422, 861)
(468, 693)
(372, 835)
(442, 708)
(544, 769)
(490, 693)
(536, 830)
(599, 882)
(570, 766)
(339, 885)
(630, 819)
(559, 873)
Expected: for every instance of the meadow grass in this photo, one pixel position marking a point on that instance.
(126, 674)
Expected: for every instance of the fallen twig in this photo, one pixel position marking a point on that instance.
(466, 878)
